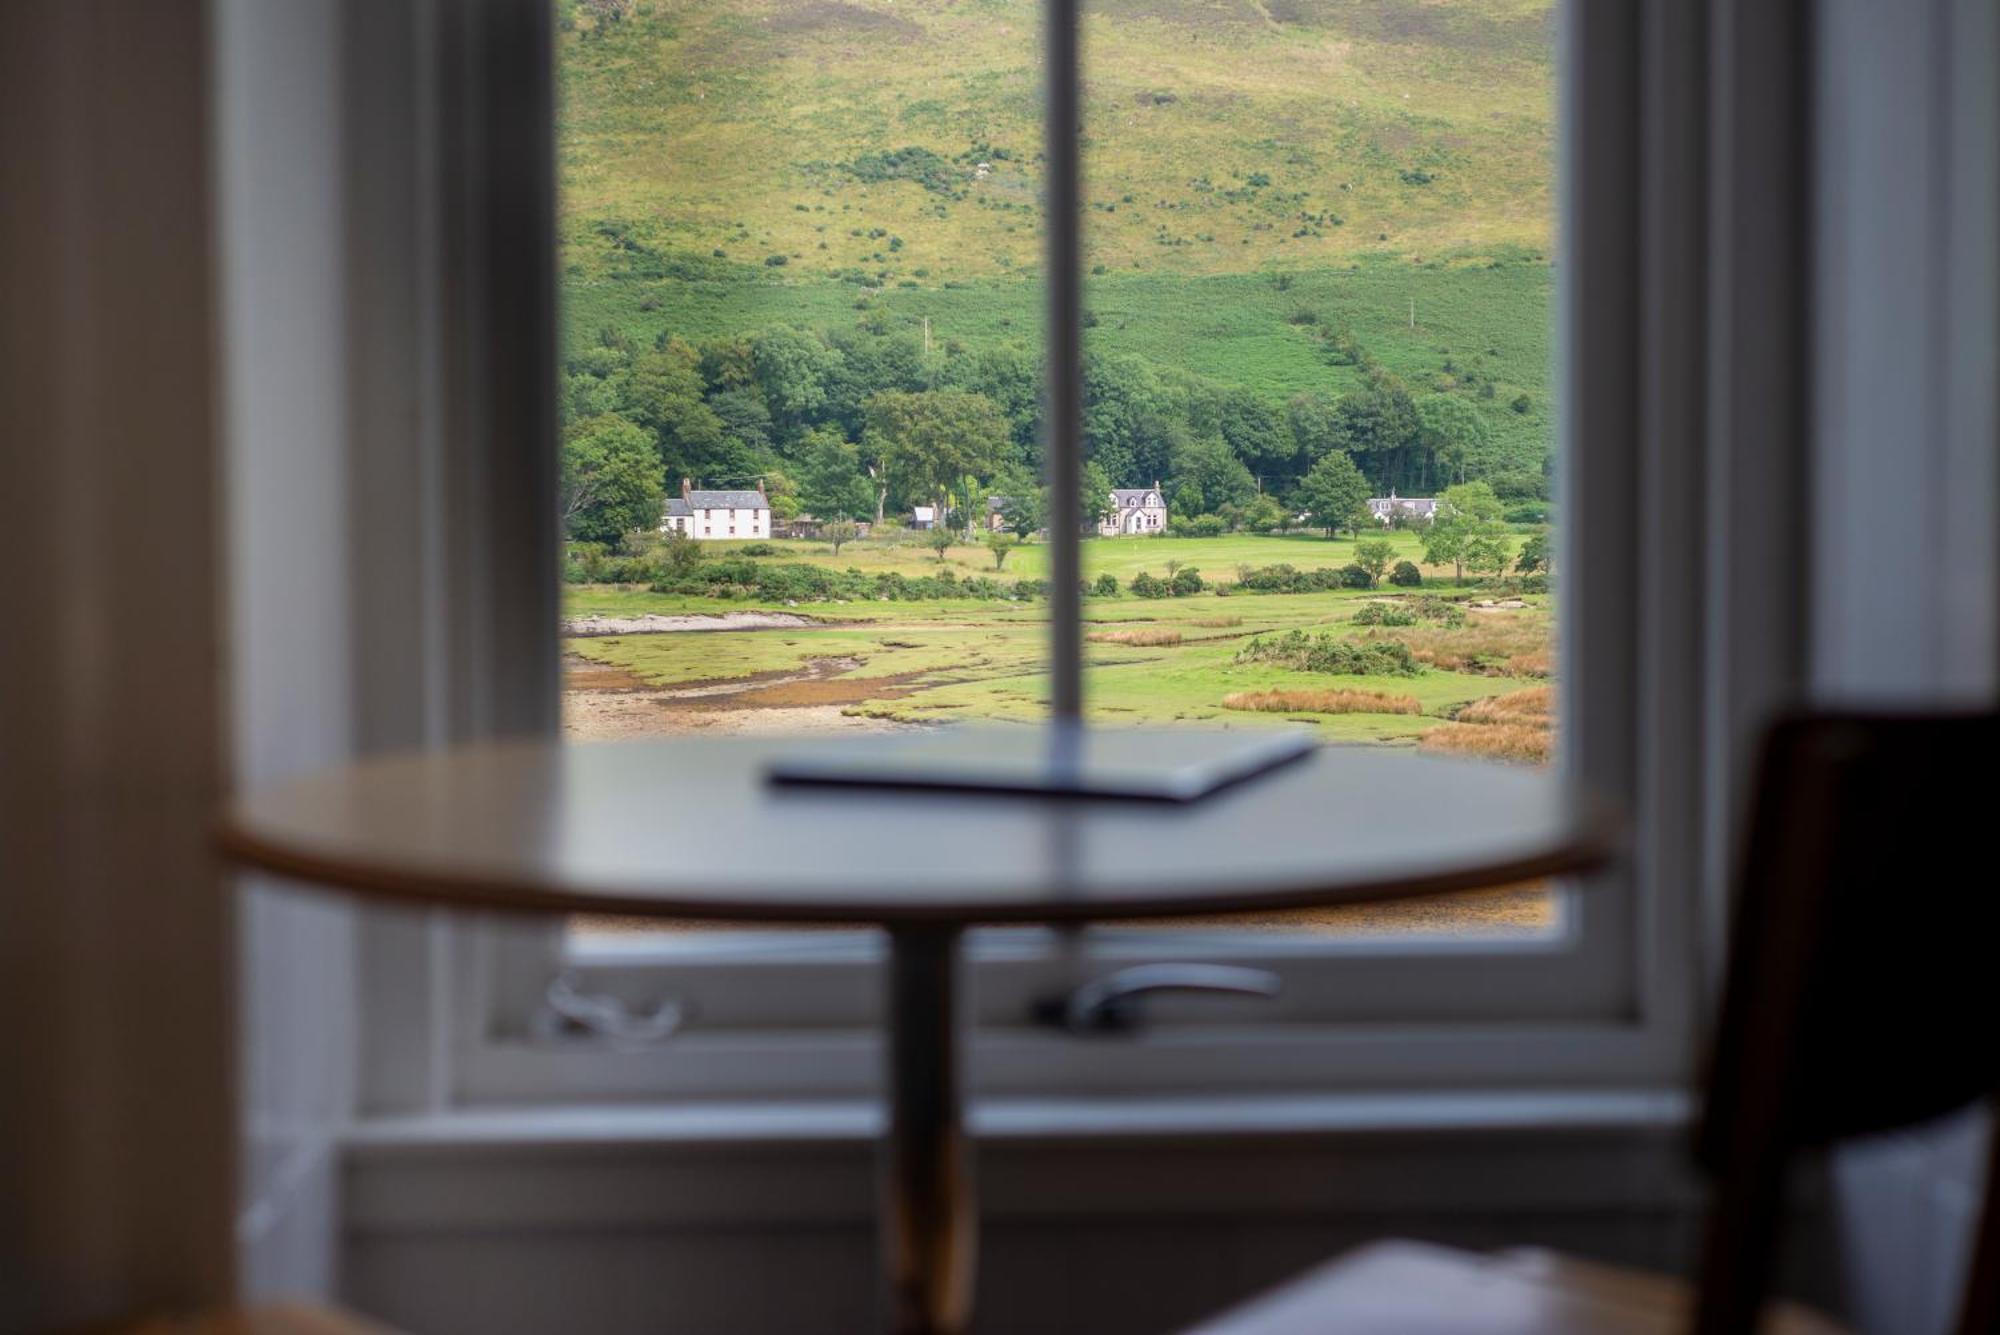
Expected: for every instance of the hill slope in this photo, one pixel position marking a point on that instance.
(1260, 174)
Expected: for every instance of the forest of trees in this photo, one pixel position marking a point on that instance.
(857, 423)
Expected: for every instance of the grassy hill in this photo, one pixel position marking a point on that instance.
(1259, 172)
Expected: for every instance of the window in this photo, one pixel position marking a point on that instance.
(1192, 227)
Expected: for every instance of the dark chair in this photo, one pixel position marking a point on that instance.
(1858, 1000)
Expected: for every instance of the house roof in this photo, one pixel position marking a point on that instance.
(728, 500)
(997, 503)
(1421, 505)
(677, 508)
(1128, 496)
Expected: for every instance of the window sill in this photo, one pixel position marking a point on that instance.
(797, 1163)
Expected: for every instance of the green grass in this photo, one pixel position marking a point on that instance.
(981, 660)
(1217, 132)
(1401, 127)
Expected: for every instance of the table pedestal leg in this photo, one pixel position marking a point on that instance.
(929, 1229)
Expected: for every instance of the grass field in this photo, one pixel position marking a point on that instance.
(964, 659)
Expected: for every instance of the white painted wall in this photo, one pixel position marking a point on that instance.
(284, 317)
(1906, 496)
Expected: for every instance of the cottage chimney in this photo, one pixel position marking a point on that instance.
(760, 486)
(687, 487)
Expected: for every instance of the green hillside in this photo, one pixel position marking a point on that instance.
(1285, 197)
(1223, 135)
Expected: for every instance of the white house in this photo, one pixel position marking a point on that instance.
(1413, 509)
(712, 515)
(1135, 510)
(923, 516)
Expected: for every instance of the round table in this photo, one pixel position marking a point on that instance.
(691, 828)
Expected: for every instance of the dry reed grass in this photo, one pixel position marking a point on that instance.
(1534, 707)
(1492, 741)
(1216, 623)
(1151, 635)
(1322, 702)
(1506, 649)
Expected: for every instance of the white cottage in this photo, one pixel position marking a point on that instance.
(1411, 509)
(708, 516)
(1135, 510)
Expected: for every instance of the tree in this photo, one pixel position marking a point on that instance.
(939, 540)
(1260, 438)
(831, 483)
(839, 533)
(1094, 501)
(1000, 544)
(662, 392)
(931, 440)
(1263, 514)
(1467, 530)
(610, 479)
(1313, 425)
(1378, 426)
(1406, 575)
(1335, 493)
(1452, 433)
(1208, 476)
(1537, 553)
(1021, 511)
(680, 553)
(792, 369)
(1373, 555)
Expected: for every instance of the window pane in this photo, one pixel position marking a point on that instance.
(1319, 335)
(801, 250)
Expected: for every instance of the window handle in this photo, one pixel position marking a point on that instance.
(569, 1012)
(1109, 1004)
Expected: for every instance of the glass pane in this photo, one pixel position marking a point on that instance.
(802, 376)
(1319, 336)
(801, 253)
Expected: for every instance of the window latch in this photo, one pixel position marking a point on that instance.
(568, 1012)
(1110, 1004)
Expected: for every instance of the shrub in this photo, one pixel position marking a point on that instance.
(1322, 653)
(1186, 580)
(1355, 577)
(1384, 614)
(756, 549)
(777, 261)
(1145, 586)
(1406, 575)
(1105, 586)
(799, 582)
(1322, 702)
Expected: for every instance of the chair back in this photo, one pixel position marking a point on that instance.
(1858, 997)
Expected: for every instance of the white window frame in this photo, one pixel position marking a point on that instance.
(1652, 721)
